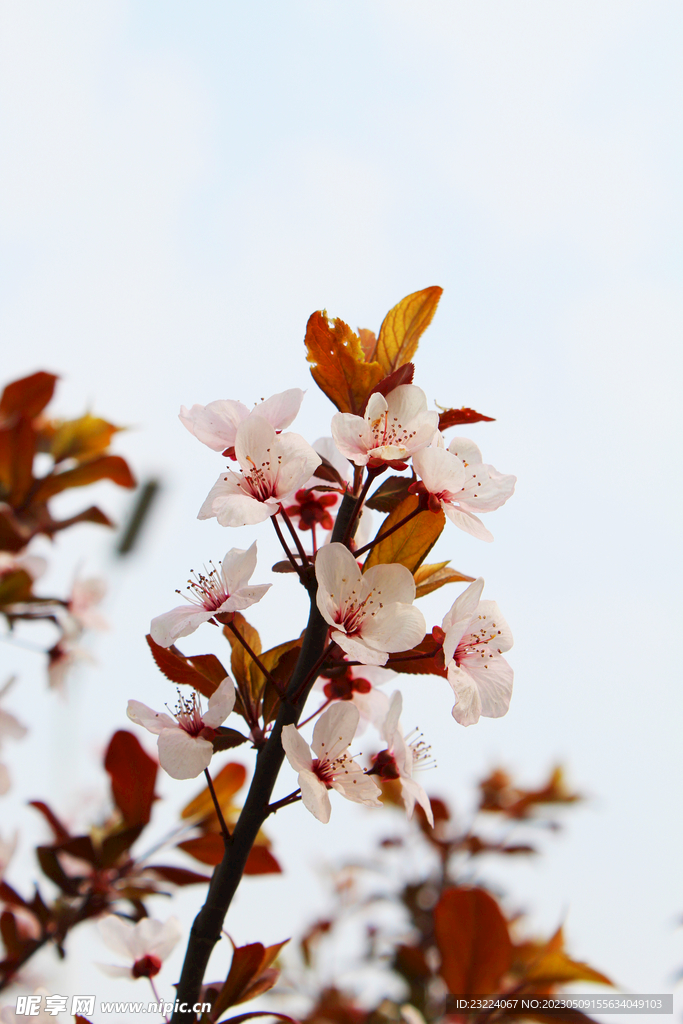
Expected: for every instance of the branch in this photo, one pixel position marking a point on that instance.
(206, 930)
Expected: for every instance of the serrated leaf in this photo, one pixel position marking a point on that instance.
(403, 326)
(410, 544)
(339, 367)
(432, 577)
(454, 417)
(473, 939)
(185, 671)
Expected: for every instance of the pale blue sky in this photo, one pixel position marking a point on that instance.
(183, 184)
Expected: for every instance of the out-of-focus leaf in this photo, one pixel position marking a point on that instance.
(226, 784)
(14, 944)
(13, 535)
(472, 937)
(390, 493)
(425, 659)
(105, 467)
(60, 831)
(401, 375)
(133, 775)
(118, 843)
(410, 962)
(208, 848)
(261, 862)
(52, 869)
(549, 965)
(411, 544)
(89, 515)
(17, 448)
(326, 471)
(226, 739)
(403, 327)
(82, 438)
(454, 417)
(27, 397)
(242, 664)
(179, 669)
(498, 793)
(339, 368)
(177, 876)
(14, 587)
(250, 975)
(432, 577)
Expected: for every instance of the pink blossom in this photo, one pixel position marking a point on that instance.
(476, 637)
(331, 767)
(184, 743)
(272, 467)
(371, 614)
(359, 685)
(216, 424)
(392, 429)
(463, 484)
(83, 600)
(215, 592)
(145, 945)
(401, 757)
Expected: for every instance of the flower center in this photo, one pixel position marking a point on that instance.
(188, 714)
(147, 967)
(260, 482)
(206, 589)
(475, 643)
(327, 770)
(388, 432)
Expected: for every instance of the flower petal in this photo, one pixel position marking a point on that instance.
(352, 436)
(157, 938)
(467, 707)
(390, 583)
(221, 703)
(459, 616)
(358, 650)
(314, 796)
(355, 785)
(334, 730)
(281, 409)
(296, 748)
(153, 721)
(238, 567)
(339, 580)
(396, 627)
(167, 628)
(118, 935)
(183, 756)
(493, 677)
(214, 424)
(465, 520)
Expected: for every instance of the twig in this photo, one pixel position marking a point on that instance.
(225, 832)
(388, 533)
(295, 536)
(285, 546)
(255, 658)
(286, 800)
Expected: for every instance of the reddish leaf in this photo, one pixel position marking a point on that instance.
(118, 843)
(339, 368)
(208, 848)
(453, 417)
(106, 467)
(29, 396)
(401, 375)
(181, 670)
(177, 876)
(14, 587)
(8, 895)
(472, 936)
(13, 535)
(425, 659)
(389, 494)
(250, 974)
(10, 934)
(52, 869)
(133, 774)
(60, 832)
(403, 326)
(89, 515)
(261, 862)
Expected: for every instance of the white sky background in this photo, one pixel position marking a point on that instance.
(182, 185)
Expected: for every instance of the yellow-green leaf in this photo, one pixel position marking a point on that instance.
(403, 327)
(339, 368)
(410, 544)
(432, 577)
(82, 438)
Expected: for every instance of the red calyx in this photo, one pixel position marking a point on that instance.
(147, 967)
(384, 765)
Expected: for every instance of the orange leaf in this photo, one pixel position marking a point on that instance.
(107, 467)
(403, 326)
(82, 438)
(339, 368)
(550, 965)
(188, 672)
(250, 974)
(227, 783)
(472, 936)
(429, 662)
(208, 848)
(27, 397)
(261, 862)
(432, 577)
(411, 544)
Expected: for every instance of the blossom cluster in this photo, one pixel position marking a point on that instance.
(368, 604)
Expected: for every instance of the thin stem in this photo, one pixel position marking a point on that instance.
(156, 996)
(255, 658)
(295, 536)
(285, 802)
(310, 717)
(387, 533)
(348, 533)
(285, 546)
(221, 820)
(314, 539)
